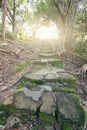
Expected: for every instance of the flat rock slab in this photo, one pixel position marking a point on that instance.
(34, 76)
(47, 54)
(51, 76)
(50, 69)
(48, 105)
(48, 60)
(20, 100)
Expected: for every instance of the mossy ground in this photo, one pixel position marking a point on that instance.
(69, 81)
(20, 85)
(5, 112)
(79, 108)
(39, 82)
(47, 118)
(21, 66)
(65, 126)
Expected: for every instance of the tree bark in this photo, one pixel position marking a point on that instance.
(14, 14)
(4, 4)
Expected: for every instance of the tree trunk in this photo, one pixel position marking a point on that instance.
(4, 4)
(14, 14)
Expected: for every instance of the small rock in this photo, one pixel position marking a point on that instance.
(8, 100)
(2, 127)
(11, 121)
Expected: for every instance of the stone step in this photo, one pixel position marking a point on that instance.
(47, 51)
(49, 60)
(48, 55)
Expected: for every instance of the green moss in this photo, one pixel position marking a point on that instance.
(16, 125)
(68, 89)
(67, 79)
(79, 128)
(2, 107)
(76, 99)
(3, 117)
(32, 112)
(2, 122)
(20, 85)
(5, 112)
(46, 117)
(36, 81)
(12, 109)
(63, 89)
(79, 108)
(24, 79)
(65, 127)
(23, 118)
(21, 66)
(9, 108)
(86, 116)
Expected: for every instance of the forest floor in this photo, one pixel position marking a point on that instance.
(15, 60)
(12, 54)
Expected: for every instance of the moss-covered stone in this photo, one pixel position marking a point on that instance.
(67, 79)
(33, 81)
(62, 89)
(69, 109)
(23, 101)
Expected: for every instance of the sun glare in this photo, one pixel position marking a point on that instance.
(47, 32)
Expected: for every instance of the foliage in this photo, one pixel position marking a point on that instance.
(81, 34)
(81, 48)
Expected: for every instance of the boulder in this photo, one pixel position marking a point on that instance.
(69, 108)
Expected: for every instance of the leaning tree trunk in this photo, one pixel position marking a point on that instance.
(13, 20)
(4, 4)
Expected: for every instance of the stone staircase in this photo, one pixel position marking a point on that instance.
(48, 89)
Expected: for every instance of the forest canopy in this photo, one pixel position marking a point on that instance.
(23, 18)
